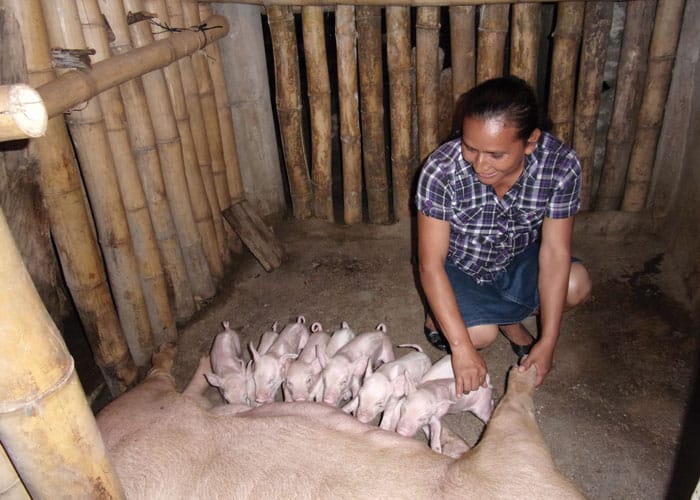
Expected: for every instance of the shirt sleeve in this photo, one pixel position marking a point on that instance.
(434, 193)
(565, 201)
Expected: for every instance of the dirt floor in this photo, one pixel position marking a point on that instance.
(613, 408)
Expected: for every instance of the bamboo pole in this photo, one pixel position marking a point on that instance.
(662, 51)
(165, 124)
(89, 133)
(319, 92)
(407, 3)
(70, 222)
(146, 250)
(400, 67)
(143, 142)
(369, 47)
(493, 29)
(567, 40)
(284, 48)
(631, 75)
(201, 210)
(524, 41)
(45, 423)
(463, 50)
(427, 78)
(445, 106)
(345, 36)
(11, 488)
(199, 133)
(22, 112)
(596, 29)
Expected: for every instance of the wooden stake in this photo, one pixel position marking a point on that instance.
(369, 48)
(525, 41)
(427, 78)
(596, 29)
(463, 47)
(345, 36)
(493, 29)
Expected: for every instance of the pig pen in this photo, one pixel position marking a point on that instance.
(613, 408)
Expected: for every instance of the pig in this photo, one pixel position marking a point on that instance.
(231, 376)
(425, 405)
(304, 373)
(162, 445)
(270, 369)
(339, 338)
(381, 390)
(267, 339)
(343, 372)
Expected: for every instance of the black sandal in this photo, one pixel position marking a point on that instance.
(436, 339)
(518, 349)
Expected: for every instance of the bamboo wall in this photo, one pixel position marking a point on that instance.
(431, 54)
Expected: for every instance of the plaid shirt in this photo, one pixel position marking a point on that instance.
(487, 233)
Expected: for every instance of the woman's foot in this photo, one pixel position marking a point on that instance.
(520, 339)
(435, 338)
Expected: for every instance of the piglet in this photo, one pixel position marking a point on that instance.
(339, 338)
(230, 374)
(267, 339)
(343, 372)
(425, 406)
(381, 390)
(303, 382)
(270, 369)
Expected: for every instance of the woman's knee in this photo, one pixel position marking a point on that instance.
(580, 285)
(483, 335)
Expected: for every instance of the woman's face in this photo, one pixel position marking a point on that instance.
(495, 152)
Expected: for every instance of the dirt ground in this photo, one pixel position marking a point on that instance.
(613, 408)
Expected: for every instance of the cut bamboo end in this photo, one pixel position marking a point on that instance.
(22, 113)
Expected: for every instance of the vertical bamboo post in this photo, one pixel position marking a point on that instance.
(369, 48)
(148, 163)
(445, 103)
(165, 124)
(319, 91)
(287, 85)
(662, 51)
(630, 80)
(400, 67)
(567, 39)
(493, 28)
(199, 133)
(138, 217)
(427, 78)
(201, 210)
(345, 37)
(70, 222)
(524, 41)
(463, 49)
(45, 423)
(11, 487)
(89, 133)
(596, 29)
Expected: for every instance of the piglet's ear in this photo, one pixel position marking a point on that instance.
(321, 356)
(351, 407)
(253, 352)
(410, 386)
(214, 379)
(368, 370)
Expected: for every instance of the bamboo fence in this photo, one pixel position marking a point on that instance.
(463, 48)
(493, 30)
(427, 78)
(525, 40)
(22, 112)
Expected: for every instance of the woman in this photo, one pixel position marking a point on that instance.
(496, 212)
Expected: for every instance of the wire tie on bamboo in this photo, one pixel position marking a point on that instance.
(31, 406)
(71, 58)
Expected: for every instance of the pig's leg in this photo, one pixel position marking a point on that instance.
(390, 417)
(435, 430)
(198, 384)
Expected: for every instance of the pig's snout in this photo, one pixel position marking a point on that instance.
(365, 418)
(406, 431)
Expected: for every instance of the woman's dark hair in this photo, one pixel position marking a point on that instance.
(507, 97)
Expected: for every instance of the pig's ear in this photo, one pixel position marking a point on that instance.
(286, 359)
(214, 379)
(351, 407)
(410, 386)
(253, 352)
(368, 370)
(321, 356)
(249, 369)
(399, 384)
(442, 405)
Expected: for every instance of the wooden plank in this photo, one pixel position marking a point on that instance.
(261, 242)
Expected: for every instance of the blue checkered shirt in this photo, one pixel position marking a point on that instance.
(487, 233)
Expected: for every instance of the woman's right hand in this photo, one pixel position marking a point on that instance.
(469, 369)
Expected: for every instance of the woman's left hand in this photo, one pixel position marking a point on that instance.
(542, 357)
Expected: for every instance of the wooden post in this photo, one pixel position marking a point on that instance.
(287, 85)
(493, 29)
(369, 48)
(662, 51)
(445, 104)
(139, 220)
(22, 112)
(89, 133)
(345, 36)
(567, 38)
(463, 47)
(10, 484)
(596, 29)
(525, 41)
(427, 78)
(143, 143)
(165, 124)
(630, 81)
(319, 92)
(401, 98)
(70, 222)
(46, 424)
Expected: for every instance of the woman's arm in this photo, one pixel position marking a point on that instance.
(433, 243)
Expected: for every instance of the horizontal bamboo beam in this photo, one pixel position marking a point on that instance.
(78, 86)
(22, 113)
(390, 3)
